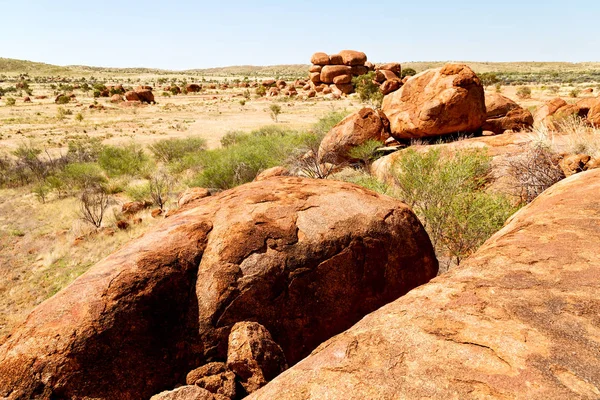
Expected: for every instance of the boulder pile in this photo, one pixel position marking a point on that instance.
(518, 320)
(333, 73)
(304, 258)
(554, 112)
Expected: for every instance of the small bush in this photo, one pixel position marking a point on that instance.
(447, 193)
(232, 138)
(524, 92)
(574, 93)
(79, 117)
(92, 206)
(168, 150)
(275, 110)
(488, 78)
(368, 90)
(10, 101)
(159, 186)
(127, 160)
(138, 192)
(63, 99)
(328, 121)
(261, 90)
(407, 72)
(83, 175)
(366, 152)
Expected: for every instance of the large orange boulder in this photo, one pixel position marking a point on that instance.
(503, 114)
(132, 96)
(547, 110)
(329, 72)
(594, 115)
(320, 59)
(437, 102)
(352, 57)
(518, 320)
(352, 131)
(304, 258)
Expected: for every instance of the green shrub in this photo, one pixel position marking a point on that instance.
(366, 152)
(407, 72)
(84, 149)
(275, 110)
(488, 78)
(447, 193)
(240, 162)
(368, 90)
(10, 101)
(524, 92)
(138, 192)
(369, 182)
(168, 150)
(62, 99)
(83, 175)
(261, 90)
(328, 121)
(574, 93)
(232, 138)
(126, 160)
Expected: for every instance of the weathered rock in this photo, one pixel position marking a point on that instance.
(352, 57)
(385, 75)
(547, 110)
(437, 102)
(345, 88)
(133, 207)
(188, 393)
(352, 131)
(253, 355)
(215, 377)
(336, 59)
(142, 88)
(504, 114)
(26, 99)
(281, 84)
(390, 86)
(315, 68)
(594, 115)
(518, 320)
(320, 59)
(358, 70)
(315, 77)
(132, 96)
(271, 172)
(341, 79)
(146, 96)
(394, 67)
(331, 71)
(157, 212)
(304, 258)
(193, 88)
(269, 82)
(116, 98)
(273, 92)
(574, 163)
(192, 194)
(311, 93)
(326, 90)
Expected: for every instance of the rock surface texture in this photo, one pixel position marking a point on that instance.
(436, 102)
(518, 321)
(304, 258)
(354, 130)
(503, 114)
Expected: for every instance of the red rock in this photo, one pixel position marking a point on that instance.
(122, 224)
(189, 393)
(273, 92)
(271, 172)
(574, 163)
(394, 67)
(390, 86)
(352, 57)
(319, 59)
(503, 114)
(336, 59)
(358, 70)
(307, 87)
(142, 88)
(345, 88)
(311, 93)
(146, 96)
(315, 68)
(517, 320)
(352, 131)
(132, 96)
(437, 102)
(133, 207)
(157, 212)
(341, 79)
(139, 320)
(193, 88)
(547, 110)
(214, 377)
(594, 115)
(269, 82)
(253, 355)
(326, 90)
(331, 71)
(116, 98)
(315, 77)
(281, 84)
(27, 99)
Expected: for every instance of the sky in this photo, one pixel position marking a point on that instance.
(180, 34)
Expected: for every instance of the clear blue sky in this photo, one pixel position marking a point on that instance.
(180, 34)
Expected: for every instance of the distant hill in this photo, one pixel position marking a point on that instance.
(11, 66)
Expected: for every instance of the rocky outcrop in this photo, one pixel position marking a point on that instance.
(304, 258)
(503, 114)
(354, 130)
(214, 377)
(253, 355)
(189, 393)
(437, 102)
(594, 114)
(518, 320)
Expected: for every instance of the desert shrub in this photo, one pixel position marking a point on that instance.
(535, 171)
(240, 162)
(10, 101)
(62, 99)
(232, 138)
(407, 72)
(366, 152)
(41, 192)
(554, 89)
(328, 121)
(574, 93)
(275, 110)
(443, 190)
(242, 102)
(82, 175)
(92, 206)
(97, 94)
(126, 160)
(168, 150)
(166, 94)
(85, 149)
(367, 181)
(138, 191)
(489, 78)
(79, 117)
(524, 92)
(159, 186)
(498, 88)
(368, 90)
(261, 90)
